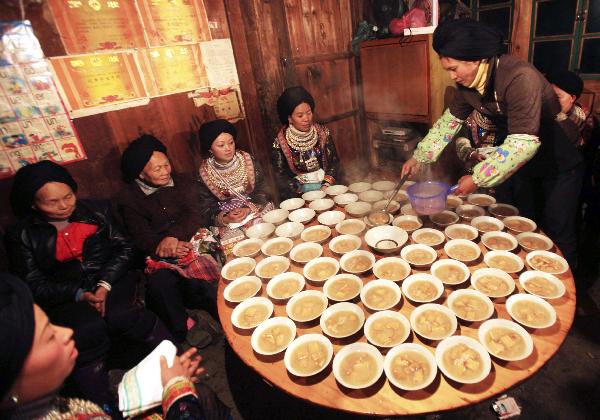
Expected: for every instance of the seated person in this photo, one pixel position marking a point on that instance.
(162, 212)
(304, 154)
(76, 261)
(42, 355)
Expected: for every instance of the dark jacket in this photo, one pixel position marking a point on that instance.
(171, 211)
(31, 245)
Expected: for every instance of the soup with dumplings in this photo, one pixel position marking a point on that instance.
(531, 313)
(462, 233)
(428, 238)
(342, 323)
(391, 271)
(433, 324)
(239, 270)
(487, 227)
(278, 248)
(248, 249)
(408, 224)
(419, 257)
(306, 254)
(351, 228)
(386, 331)
(343, 288)
(243, 291)
(316, 235)
(253, 315)
(504, 263)
(546, 264)
(345, 245)
(481, 201)
(380, 297)
(410, 368)
(275, 339)
(470, 213)
(358, 368)
(272, 269)
(443, 218)
(285, 288)
(309, 357)
(463, 362)
(422, 290)
(503, 211)
(469, 307)
(322, 271)
(519, 225)
(493, 286)
(504, 342)
(533, 243)
(499, 243)
(358, 263)
(449, 274)
(541, 286)
(308, 308)
(462, 252)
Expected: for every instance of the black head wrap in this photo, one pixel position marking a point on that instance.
(209, 131)
(290, 99)
(137, 155)
(567, 81)
(467, 40)
(29, 179)
(17, 326)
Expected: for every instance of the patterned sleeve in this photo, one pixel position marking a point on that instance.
(516, 150)
(180, 400)
(333, 162)
(284, 176)
(463, 148)
(439, 136)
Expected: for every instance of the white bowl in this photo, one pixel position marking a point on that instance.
(238, 248)
(292, 204)
(401, 196)
(263, 301)
(397, 316)
(334, 190)
(359, 187)
(435, 307)
(488, 237)
(531, 225)
(260, 230)
(501, 210)
(472, 344)
(409, 248)
(358, 208)
(312, 263)
(377, 268)
(407, 210)
(353, 348)
(386, 239)
(279, 278)
(452, 231)
(344, 199)
(284, 241)
(453, 201)
(531, 258)
(412, 347)
(271, 323)
(417, 234)
(321, 204)
(444, 218)
(337, 308)
(474, 294)
(521, 297)
(468, 212)
(369, 223)
(422, 277)
(276, 217)
(403, 221)
(307, 338)
(505, 323)
(346, 257)
(313, 195)
(303, 246)
(331, 218)
(338, 277)
(285, 263)
(523, 237)
(481, 200)
(370, 196)
(508, 280)
(343, 227)
(254, 287)
(294, 300)
(289, 230)
(455, 242)
(352, 240)
(305, 236)
(234, 262)
(392, 208)
(526, 277)
(458, 264)
(302, 215)
(383, 185)
(478, 221)
(492, 254)
(390, 286)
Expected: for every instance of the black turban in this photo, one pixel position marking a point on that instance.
(17, 326)
(137, 155)
(567, 81)
(29, 179)
(209, 131)
(290, 99)
(467, 40)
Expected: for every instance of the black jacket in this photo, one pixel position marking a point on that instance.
(31, 246)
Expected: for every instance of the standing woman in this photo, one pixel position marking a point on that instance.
(304, 154)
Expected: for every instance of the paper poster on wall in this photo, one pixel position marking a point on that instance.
(97, 25)
(18, 43)
(173, 69)
(95, 83)
(225, 102)
(168, 22)
(220, 63)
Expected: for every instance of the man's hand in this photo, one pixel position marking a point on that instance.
(184, 365)
(167, 248)
(96, 300)
(236, 215)
(466, 186)
(410, 167)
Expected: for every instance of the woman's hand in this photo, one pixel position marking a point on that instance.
(167, 248)
(183, 248)
(184, 365)
(236, 215)
(466, 186)
(410, 167)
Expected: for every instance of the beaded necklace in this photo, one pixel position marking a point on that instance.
(231, 176)
(302, 142)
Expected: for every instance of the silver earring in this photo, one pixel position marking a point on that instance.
(14, 399)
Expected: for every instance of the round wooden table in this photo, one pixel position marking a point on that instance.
(382, 398)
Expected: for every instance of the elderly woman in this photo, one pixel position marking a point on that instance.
(42, 355)
(304, 154)
(75, 259)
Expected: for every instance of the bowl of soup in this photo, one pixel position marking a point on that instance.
(505, 339)
(292, 204)
(350, 227)
(530, 241)
(342, 287)
(481, 200)
(519, 224)
(251, 312)
(285, 285)
(242, 288)
(453, 201)
(393, 207)
(461, 231)
(357, 262)
(499, 241)
(358, 208)
(320, 269)
(370, 196)
(271, 266)
(335, 190)
(331, 218)
(410, 366)
(277, 246)
(318, 234)
(379, 295)
(504, 260)
(321, 205)
(463, 359)
(302, 215)
(378, 218)
(462, 250)
(391, 268)
(289, 230)
(342, 320)
(343, 244)
(422, 287)
(544, 285)
(273, 335)
(313, 195)
(487, 224)
(401, 196)
(548, 262)
(308, 355)
(247, 247)
(531, 311)
(407, 222)
(450, 271)
(387, 329)
(238, 267)
(433, 321)
(418, 255)
(492, 282)
(468, 212)
(383, 185)
(306, 251)
(260, 230)
(276, 217)
(357, 365)
(501, 210)
(345, 199)
(358, 187)
(444, 218)
(427, 236)
(306, 306)
(386, 239)
(470, 305)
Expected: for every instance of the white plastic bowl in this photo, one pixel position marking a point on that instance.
(447, 261)
(283, 277)
(302, 215)
(331, 218)
(418, 311)
(305, 245)
(513, 326)
(397, 316)
(352, 348)
(388, 285)
(413, 347)
(409, 248)
(488, 258)
(359, 187)
(358, 208)
(321, 204)
(501, 210)
(392, 208)
(289, 230)
(343, 227)
(237, 248)
(346, 257)
(464, 211)
(401, 196)
(455, 242)
(527, 276)
(307, 338)
(298, 296)
(248, 303)
(340, 307)
(260, 230)
(312, 263)
(306, 233)
(481, 200)
(453, 201)
(477, 221)
(313, 195)
(233, 263)
(530, 257)
(335, 242)
(370, 196)
(422, 277)
(279, 259)
(292, 204)
(276, 217)
(386, 239)
(338, 277)
(471, 293)
(344, 199)
(400, 220)
(334, 190)
(395, 260)
(252, 280)
(444, 218)
(265, 247)
(521, 237)
(452, 231)
(511, 301)
(270, 323)
(532, 226)
(510, 282)
(488, 236)
(415, 236)
(383, 185)
(450, 342)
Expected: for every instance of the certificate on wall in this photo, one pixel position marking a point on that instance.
(225, 102)
(96, 25)
(220, 63)
(173, 69)
(168, 22)
(95, 83)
